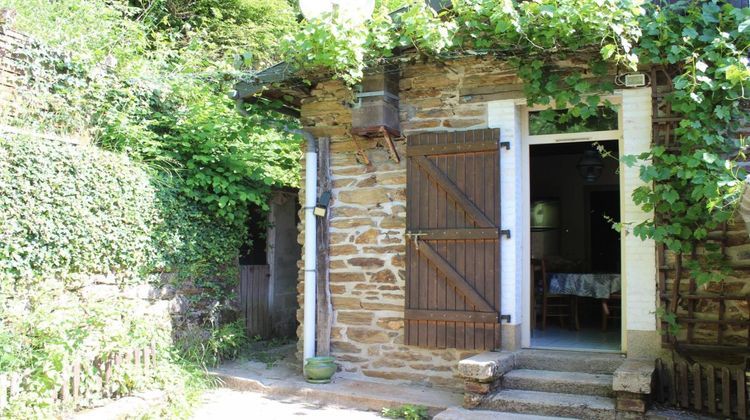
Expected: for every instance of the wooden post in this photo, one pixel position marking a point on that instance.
(711, 388)
(107, 387)
(323, 292)
(3, 391)
(65, 390)
(726, 394)
(153, 352)
(76, 380)
(146, 365)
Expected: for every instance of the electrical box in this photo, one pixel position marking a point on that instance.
(635, 80)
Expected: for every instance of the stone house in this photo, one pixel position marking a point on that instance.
(450, 200)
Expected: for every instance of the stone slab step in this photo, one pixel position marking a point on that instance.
(456, 413)
(569, 361)
(284, 381)
(551, 404)
(561, 382)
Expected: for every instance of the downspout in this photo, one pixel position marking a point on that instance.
(311, 240)
(311, 236)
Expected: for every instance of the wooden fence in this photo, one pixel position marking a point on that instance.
(254, 297)
(140, 360)
(708, 389)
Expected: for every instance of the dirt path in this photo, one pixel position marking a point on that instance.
(226, 404)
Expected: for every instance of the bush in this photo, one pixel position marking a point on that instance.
(69, 212)
(211, 348)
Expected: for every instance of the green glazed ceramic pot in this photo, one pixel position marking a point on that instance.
(319, 370)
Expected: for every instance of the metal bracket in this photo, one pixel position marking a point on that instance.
(506, 233)
(505, 145)
(505, 318)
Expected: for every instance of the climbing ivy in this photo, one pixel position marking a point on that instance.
(693, 185)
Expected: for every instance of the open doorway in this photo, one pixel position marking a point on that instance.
(267, 292)
(575, 269)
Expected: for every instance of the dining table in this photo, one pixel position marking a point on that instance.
(594, 285)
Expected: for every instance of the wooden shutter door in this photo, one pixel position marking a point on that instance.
(453, 249)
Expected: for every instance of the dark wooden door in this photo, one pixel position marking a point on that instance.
(253, 296)
(453, 250)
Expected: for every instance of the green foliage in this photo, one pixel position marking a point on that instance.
(70, 211)
(219, 344)
(53, 327)
(692, 187)
(67, 210)
(407, 412)
(344, 48)
(224, 28)
(164, 103)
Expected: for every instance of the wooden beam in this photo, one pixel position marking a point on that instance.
(390, 145)
(457, 234)
(453, 148)
(452, 189)
(457, 316)
(454, 278)
(323, 292)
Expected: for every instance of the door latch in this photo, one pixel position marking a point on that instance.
(414, 237)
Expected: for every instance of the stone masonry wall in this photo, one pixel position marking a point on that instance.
(11, 68)
(368, 220)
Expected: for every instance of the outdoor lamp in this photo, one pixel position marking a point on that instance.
(321, 207)
(590, 166)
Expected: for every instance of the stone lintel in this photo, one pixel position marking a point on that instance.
(634, 376)
(487, 366)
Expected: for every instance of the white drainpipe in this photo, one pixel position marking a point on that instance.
(311, 193)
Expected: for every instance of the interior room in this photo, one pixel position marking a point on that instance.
(575, 251)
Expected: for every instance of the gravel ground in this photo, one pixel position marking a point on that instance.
(226, 404)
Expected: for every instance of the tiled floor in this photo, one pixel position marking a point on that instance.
(587, 338)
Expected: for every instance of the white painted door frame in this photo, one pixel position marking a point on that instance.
(532, 140)
(638, 257)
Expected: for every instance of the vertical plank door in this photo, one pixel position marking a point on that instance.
(453, 249)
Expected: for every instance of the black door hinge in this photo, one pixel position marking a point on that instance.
(505, 318)
(506, 233)
(505, 145)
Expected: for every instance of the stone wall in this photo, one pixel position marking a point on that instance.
(180, 309)
(368, 219)
(11, 68)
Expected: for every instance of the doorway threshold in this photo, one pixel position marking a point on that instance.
(575, 349)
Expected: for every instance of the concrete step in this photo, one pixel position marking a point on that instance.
(569, 361)
(550, 404)
(562, 382)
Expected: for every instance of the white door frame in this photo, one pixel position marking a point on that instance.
(638, 257)
(527, 141)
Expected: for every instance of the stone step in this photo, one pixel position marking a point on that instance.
(550, 404)
(569, 361)
(562, 382)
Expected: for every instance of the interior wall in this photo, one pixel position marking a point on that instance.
(556, 177)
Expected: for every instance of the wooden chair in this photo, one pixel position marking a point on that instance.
(552, 305)
(611, 308)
